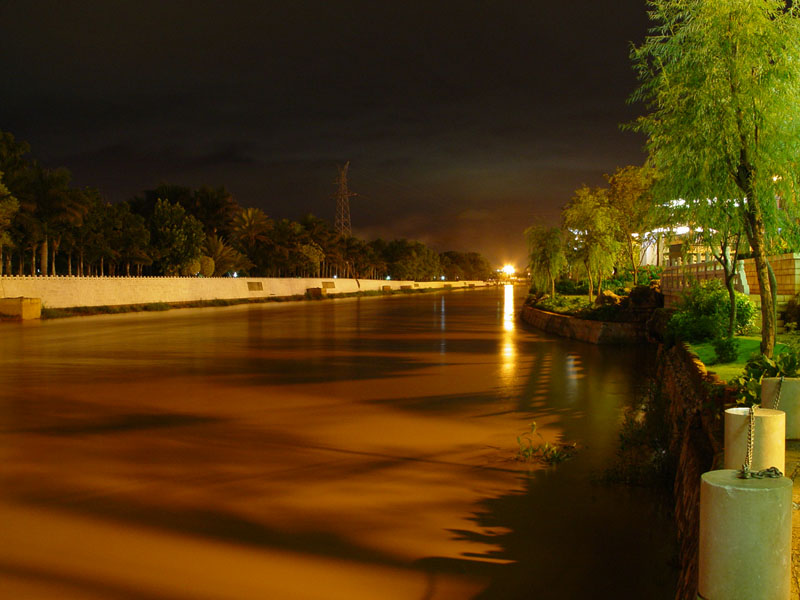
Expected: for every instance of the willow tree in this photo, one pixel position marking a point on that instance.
(631, 202)
(721, 79)
(590, 226)
(547, 257)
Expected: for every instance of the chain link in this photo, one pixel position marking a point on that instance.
(777, 402)
(751, 435)
(770, 473)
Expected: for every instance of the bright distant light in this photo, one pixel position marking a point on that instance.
(336, 277)
(442, 277)
(508, 270)
(388, 277)
(682, 230)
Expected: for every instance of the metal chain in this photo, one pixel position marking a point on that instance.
(746, 473)
(770, 473)
(778, 395)
(751, 434)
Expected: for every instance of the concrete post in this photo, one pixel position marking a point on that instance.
(789, 401)
(769, 447)
(745, 537)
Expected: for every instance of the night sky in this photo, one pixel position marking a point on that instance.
(465, 122)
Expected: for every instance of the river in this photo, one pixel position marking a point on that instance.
(353, 449)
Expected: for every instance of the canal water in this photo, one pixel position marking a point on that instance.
(353, 449)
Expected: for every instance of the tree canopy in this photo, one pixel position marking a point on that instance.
(591, 234)
(720, 80)
(546, 256)
(48, 226)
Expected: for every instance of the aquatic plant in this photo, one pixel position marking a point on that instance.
(548, 453)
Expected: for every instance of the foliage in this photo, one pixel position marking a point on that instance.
(630, 202)
(411, 260)
(177, 238)
(560, 304)
(465, 265)
(720, 80)
(53, 225)
(548, 453)
(703, 312)
(726, 349)
(792, 312)
(759, 366)
(591, 242)
(572, 287)
(9, 206)
(546, 256)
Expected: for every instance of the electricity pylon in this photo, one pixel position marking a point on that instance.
(343, 195)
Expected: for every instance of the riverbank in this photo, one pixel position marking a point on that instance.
(697, 400)
(594, 332)
(82, 311)
(66, 296)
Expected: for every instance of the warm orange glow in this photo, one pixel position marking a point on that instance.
(508, 270)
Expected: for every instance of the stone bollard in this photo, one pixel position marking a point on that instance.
(789, 401)
(769, 447)
(745, 537)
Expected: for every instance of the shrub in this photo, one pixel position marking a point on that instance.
(570, 287)
(727, 349)
(792, 313)
(704, 312)
(758, 366)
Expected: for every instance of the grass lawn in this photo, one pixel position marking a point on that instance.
(748, 345)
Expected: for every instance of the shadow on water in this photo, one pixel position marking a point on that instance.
(567, 534)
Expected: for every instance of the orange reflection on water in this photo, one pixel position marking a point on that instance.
(509, 315)
(309, 454)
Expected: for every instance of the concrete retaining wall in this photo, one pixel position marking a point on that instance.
(66, 292)
(595, 332)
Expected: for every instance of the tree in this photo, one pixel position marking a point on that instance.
(717, 224)
(226, 258)
(131, 238)
(251, 228)
(720, 79)
(9, 206)
(631, 203)
(176, 237)
(215, 208)
(58, 207)
(590, 230)
(546, 254)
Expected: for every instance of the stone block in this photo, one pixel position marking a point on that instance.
(21, 308)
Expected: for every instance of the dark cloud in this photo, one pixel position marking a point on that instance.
(486, 109)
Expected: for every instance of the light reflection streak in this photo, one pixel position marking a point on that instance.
(508, 308)
(509, 349)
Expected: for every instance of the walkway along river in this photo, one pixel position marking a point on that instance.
(354, 449)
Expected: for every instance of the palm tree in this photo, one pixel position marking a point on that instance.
(226, 258)
(251, 227)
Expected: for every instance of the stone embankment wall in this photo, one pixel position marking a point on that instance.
(68, 292)
(595, 332)
(696, 399)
